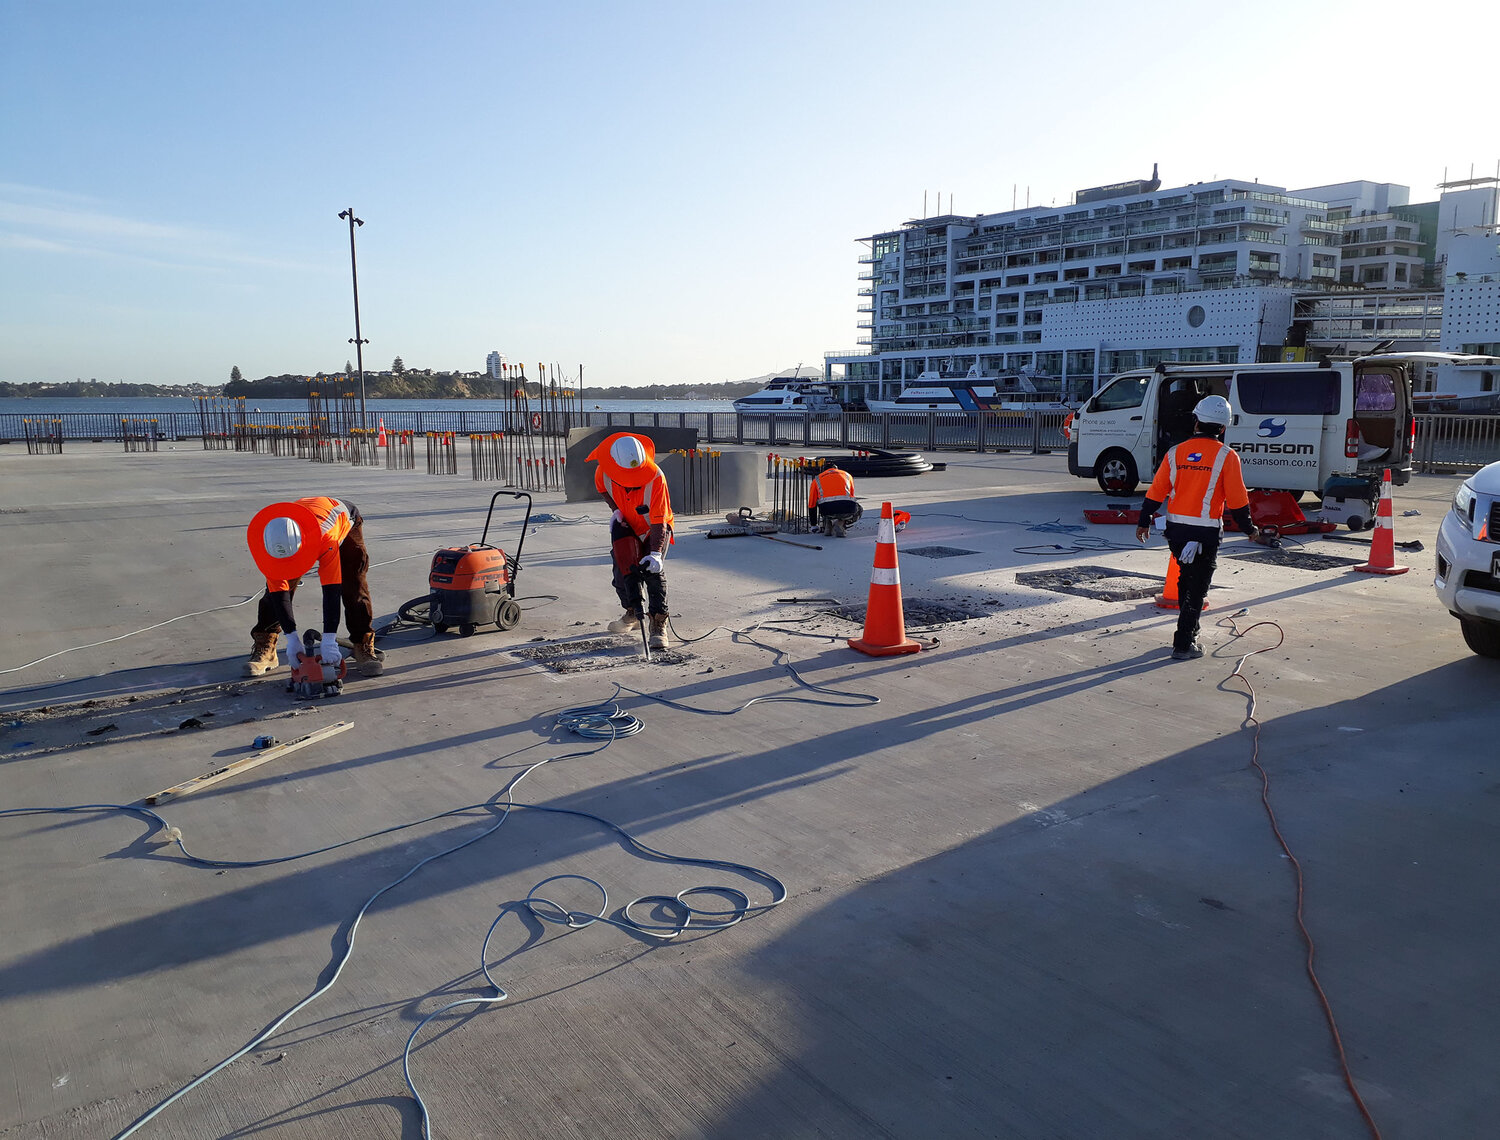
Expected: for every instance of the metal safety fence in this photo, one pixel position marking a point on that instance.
(1450, 443)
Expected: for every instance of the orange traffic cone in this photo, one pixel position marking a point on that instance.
(885, 625)
(381, 441)
(1383, 541)
(1167, 599)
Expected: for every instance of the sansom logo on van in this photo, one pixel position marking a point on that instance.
(1273, 448)
(1272, 427)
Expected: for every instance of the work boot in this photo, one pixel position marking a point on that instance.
(1194, 649)
(839, 527)
(367, 659)
(659, 638)
(628, 624)
(263, 656)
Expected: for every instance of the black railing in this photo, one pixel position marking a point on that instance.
(1039, 431)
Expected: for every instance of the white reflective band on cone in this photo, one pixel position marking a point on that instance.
(882, 576)
(887, 531)
(1385, 522)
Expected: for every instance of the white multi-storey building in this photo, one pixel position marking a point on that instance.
(1132, 274)
(492, 365)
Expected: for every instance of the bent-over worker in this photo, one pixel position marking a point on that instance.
(831, 498)
(640, 530)
(1199, 481)
(287, 540)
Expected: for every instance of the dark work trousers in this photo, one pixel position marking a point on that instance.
(844, 510)
(630, 578)
(275, 610)
(1193, 577)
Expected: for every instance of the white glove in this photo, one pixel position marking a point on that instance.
(617, 517)
(1189, 552)
(651, 564)
(329, 652)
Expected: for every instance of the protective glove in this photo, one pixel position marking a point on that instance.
(651, 564)
(617, 517)
(1189, 552)
(329, 652)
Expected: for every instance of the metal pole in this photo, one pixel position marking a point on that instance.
(358, 341)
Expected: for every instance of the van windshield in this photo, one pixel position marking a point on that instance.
(1127, 392)
(1305, 393)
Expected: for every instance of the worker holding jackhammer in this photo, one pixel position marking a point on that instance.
(640, 530)
(1199, 481)
(831, 497)
(287, 540)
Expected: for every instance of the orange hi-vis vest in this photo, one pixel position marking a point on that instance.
(831, 486)
(1198, 481)
(335, 521)
(628, 500)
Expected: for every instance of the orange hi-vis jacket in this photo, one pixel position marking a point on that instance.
(628, 500)
(1198, 481)
(831, 486)
(335, 521)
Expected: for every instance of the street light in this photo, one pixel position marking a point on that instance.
(356, 340)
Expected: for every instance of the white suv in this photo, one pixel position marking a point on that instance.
(1468, 560)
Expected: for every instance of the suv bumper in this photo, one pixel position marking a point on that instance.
(1466, 582)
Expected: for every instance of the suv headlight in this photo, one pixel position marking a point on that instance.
(1463, 505)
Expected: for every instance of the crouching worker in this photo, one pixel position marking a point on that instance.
(1199, 480)
(640, 530)
(287, 540)
(830, 499)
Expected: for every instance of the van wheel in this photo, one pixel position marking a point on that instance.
(1483, 637)
(1116, 473)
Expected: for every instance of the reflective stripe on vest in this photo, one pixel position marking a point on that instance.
(1205, 515)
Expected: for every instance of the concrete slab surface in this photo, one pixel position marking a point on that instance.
(1033, 892)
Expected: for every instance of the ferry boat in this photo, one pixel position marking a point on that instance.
(790, 396)
(931, 393)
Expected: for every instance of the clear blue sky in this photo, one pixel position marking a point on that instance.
(657, 191)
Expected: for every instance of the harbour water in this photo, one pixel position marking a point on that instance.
(148, 406)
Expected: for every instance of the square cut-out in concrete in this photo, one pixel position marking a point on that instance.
(916, 612)
(594, 653)
(937, 551)
(1297, 559)
(1098, 582)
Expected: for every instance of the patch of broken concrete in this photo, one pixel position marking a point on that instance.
(595, 653)
(1098, 582)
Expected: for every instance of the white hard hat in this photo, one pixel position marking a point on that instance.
(628, 452)
(283, 538)
(1212, 410)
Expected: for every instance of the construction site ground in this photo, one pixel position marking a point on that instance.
(1031, 893)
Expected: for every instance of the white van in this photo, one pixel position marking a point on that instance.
(1295, 426)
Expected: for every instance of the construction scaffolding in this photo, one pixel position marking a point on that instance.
(791, 478)
(442, 453)
(699, 490)
(43, 437)
(138, 435)
(220, 420)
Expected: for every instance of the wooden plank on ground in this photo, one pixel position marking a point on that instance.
(230, 770)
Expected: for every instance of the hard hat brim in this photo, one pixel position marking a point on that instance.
(278, 569)
(625, 476)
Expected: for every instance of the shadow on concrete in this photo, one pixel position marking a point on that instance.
(1124, 963)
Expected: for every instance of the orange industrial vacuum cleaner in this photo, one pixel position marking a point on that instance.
(474, 585)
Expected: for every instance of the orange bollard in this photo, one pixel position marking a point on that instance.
(885, 624)
(1167, 599)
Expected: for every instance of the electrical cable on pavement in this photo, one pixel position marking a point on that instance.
(1265, 799)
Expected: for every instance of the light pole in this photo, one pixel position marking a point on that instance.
(356, 340)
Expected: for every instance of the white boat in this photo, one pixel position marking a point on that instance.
(974, 393)
(790, 396)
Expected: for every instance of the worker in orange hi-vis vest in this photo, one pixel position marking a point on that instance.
(1198, 481)
(640, 530)
(287, 540)
(830, 498)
